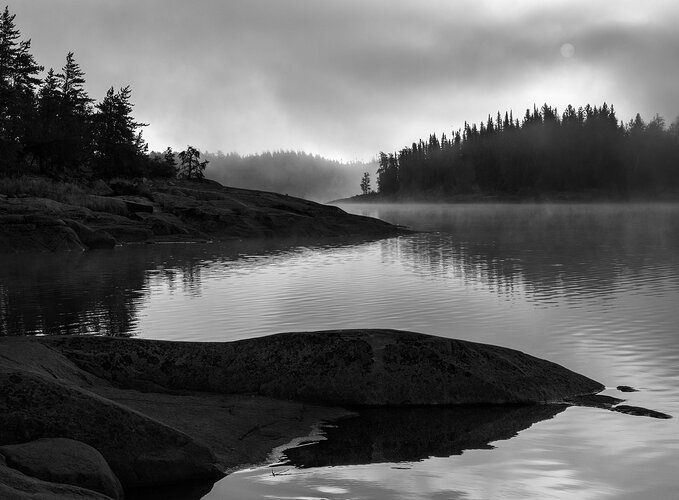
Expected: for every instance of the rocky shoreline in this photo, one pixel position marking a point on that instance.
(168, 211)
(162, 413)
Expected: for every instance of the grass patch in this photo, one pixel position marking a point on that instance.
(63, 192)
(40, 187)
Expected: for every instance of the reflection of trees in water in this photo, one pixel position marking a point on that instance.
(546, 252)
(573, 250)
(100, 292)
(75, 293)
(191, 278)
(184, 273)
(88, 293)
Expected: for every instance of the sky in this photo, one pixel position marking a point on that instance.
(349, 78)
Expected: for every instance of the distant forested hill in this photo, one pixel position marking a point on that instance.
(290, 172)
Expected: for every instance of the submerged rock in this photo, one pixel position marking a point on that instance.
(341, 367)
(614, 404)
(640, 412)
(594, 401)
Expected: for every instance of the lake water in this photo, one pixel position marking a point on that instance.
(592, 287)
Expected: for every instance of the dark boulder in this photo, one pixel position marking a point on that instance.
(14, 485)
(139, 450)
(92, 239)
(135, 206)
(64, 461)
(42, 233)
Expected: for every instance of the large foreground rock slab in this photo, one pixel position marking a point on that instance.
(239, 429)
(147, 406)
(341, 367)
(64, 461)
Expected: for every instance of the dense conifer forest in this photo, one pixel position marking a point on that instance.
(51, 127)
(580, 150)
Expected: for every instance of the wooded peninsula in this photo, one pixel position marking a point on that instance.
(580, 151)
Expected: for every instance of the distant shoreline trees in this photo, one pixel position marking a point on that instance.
(579, 150)
(365, 183)
(290, 172)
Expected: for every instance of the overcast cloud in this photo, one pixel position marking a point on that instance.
(348, 78)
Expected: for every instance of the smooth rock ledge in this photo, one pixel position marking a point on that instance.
(340, 367)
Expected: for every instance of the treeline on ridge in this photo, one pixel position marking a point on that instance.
(51, 127)
(580, 150)
(290, 172)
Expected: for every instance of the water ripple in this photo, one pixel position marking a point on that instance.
(592, 288)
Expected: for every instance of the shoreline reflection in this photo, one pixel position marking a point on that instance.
(552, 256)
(393, 435)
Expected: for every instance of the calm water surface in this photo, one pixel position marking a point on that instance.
(591, 287)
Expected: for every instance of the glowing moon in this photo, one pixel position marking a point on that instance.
(567, 50)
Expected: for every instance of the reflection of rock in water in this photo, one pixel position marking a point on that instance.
(411, 434)
(99, 292)
(188, 491)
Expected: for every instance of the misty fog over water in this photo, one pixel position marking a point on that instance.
(592, 287)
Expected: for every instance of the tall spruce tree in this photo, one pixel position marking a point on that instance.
(62, 142)
(45, 145)
(18, 82)
(119, 149)
(75, 100)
